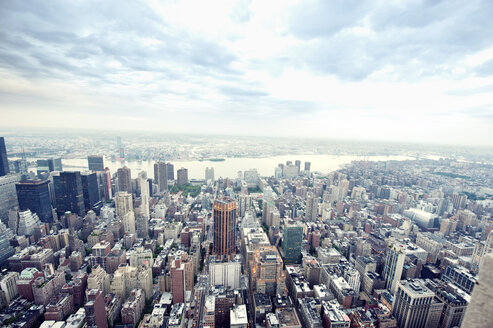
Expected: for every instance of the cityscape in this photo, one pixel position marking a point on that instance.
(246, 164)
(394, 242)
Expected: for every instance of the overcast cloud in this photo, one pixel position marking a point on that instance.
(385, 70)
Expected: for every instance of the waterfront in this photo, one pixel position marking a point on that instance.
(230, 166)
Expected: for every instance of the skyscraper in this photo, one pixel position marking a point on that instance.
(123, 203)
(307, 166)
(394, 263)
(119, 145)
(4, 163)
(69, 195)
(161, 175)
(95, 163)
(209, 174)
(414, 304)
(90, 190)
(182, 177)
(35, 196)
(124, 179)
(292, 240)
(311, 210)
(8, 195)
(171, 171)
(6, 250)
(49, 165)
(107, 189)
(224, 226)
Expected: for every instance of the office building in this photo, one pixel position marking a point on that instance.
(8, 195)
(225, 274)
(178, 281)
(311, 210)
(415, 306)
(266, 272)
(394, 264)
(4, 162)
(90, 190)
(119, 145)
(224, 242)
(49, 165)
(124, 179)
(307, 166)
(209, 174)
(22, 223)
(8, 287)
(107, 188)
(292, 240)
(95, 309)
(95, 163)
(34, 195)
(182, 177)
(123, 203)
(69, 194)
(161, 175)
(171, 171)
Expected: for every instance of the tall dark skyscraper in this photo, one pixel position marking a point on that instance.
(161, 175)
(171, 171)
(4, 163)
(90, 189)
(291, 243)
(35, 196)
(95, 163)
(69, 194)
(124, 179)
(224, 226)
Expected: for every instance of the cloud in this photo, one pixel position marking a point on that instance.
(253, 64)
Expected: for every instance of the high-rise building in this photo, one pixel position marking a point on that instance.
(119, 145)
(209, 174)
(144, 194)
(35, 196)
(292, 240)
(266, 272)
(171, 171)
(4, 162)
(123, 203)
(107, 189)
(161, 175)
(49, 165)
(69, 194)
(182, 177)
(90, 189)
(414, 305)
(311, 210)
(124, 179)
(8, 286)
(6, 250)
(307, 166)
(394, 264)
(8, 195)
(178, 281)
(95, 163)
(224, 226)
(22, 223)
(95, 309)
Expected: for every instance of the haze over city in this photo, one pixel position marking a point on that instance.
(414, 71)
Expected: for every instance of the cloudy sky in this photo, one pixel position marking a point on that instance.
(348, 69)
